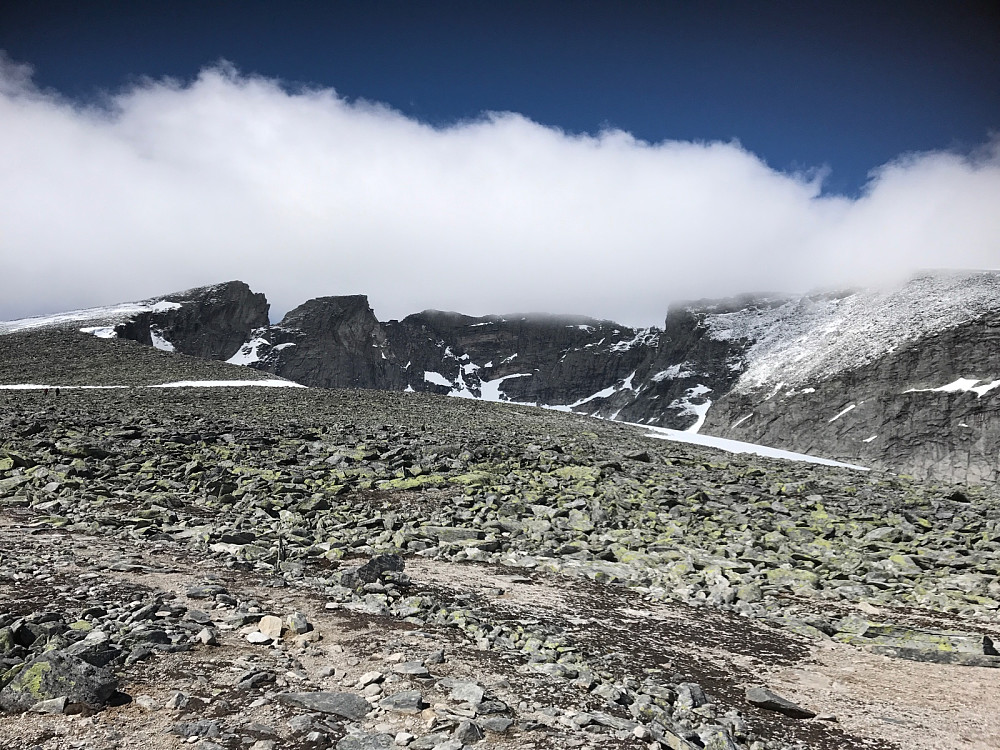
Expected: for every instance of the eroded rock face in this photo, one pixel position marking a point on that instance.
(210, 322)
(330, 342)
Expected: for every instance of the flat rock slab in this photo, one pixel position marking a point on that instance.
(346, 705)
(763, 698)
(411, 669)
(406, 702)
(367, 742)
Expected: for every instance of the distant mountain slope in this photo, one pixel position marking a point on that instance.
(906, 378)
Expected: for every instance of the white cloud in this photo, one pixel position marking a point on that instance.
(301, 194)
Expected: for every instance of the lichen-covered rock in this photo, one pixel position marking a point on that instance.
(54, 675)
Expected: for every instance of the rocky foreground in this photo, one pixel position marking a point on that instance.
(225, 568)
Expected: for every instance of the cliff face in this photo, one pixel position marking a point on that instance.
(211, 322)
(329, 342)
(930, 409)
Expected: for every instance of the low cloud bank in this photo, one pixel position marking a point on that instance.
(301, 193)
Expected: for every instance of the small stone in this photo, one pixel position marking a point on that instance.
(690, 695)
(436, 657)
(300, 723)
(207, 636)
(467, 692)
(411, 669)
(498, 724)
(297, 623)
(205, 591)
(468, 733)
(177, 700)
(369, 677)
(404, 738)
(257, 638)
(50, 706)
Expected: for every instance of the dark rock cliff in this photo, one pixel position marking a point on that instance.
(211, 322)
(330, 342)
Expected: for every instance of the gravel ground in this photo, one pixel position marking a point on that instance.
(467, 570)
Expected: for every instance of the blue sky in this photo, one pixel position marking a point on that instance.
(846, 86)
(785, 145)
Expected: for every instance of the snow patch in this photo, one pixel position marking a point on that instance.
(736, 446)
(673, 372)
(689, 407)
(102, 332)
(249, 352)
(966, 385)
(603, 393)
(159, 342)
(490, 389)
(740, 421)
(841, 413)
(643, 336)
(436, 378)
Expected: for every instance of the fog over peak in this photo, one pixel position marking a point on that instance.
(168, 185)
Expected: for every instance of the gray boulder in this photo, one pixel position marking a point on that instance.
(56, 675)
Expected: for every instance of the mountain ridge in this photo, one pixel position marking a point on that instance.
(808, 373)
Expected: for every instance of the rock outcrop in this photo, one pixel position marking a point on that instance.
(211, 322)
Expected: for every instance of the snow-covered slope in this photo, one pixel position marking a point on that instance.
(104, 319)
(818, 336)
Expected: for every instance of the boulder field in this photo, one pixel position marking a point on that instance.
(301, 568)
